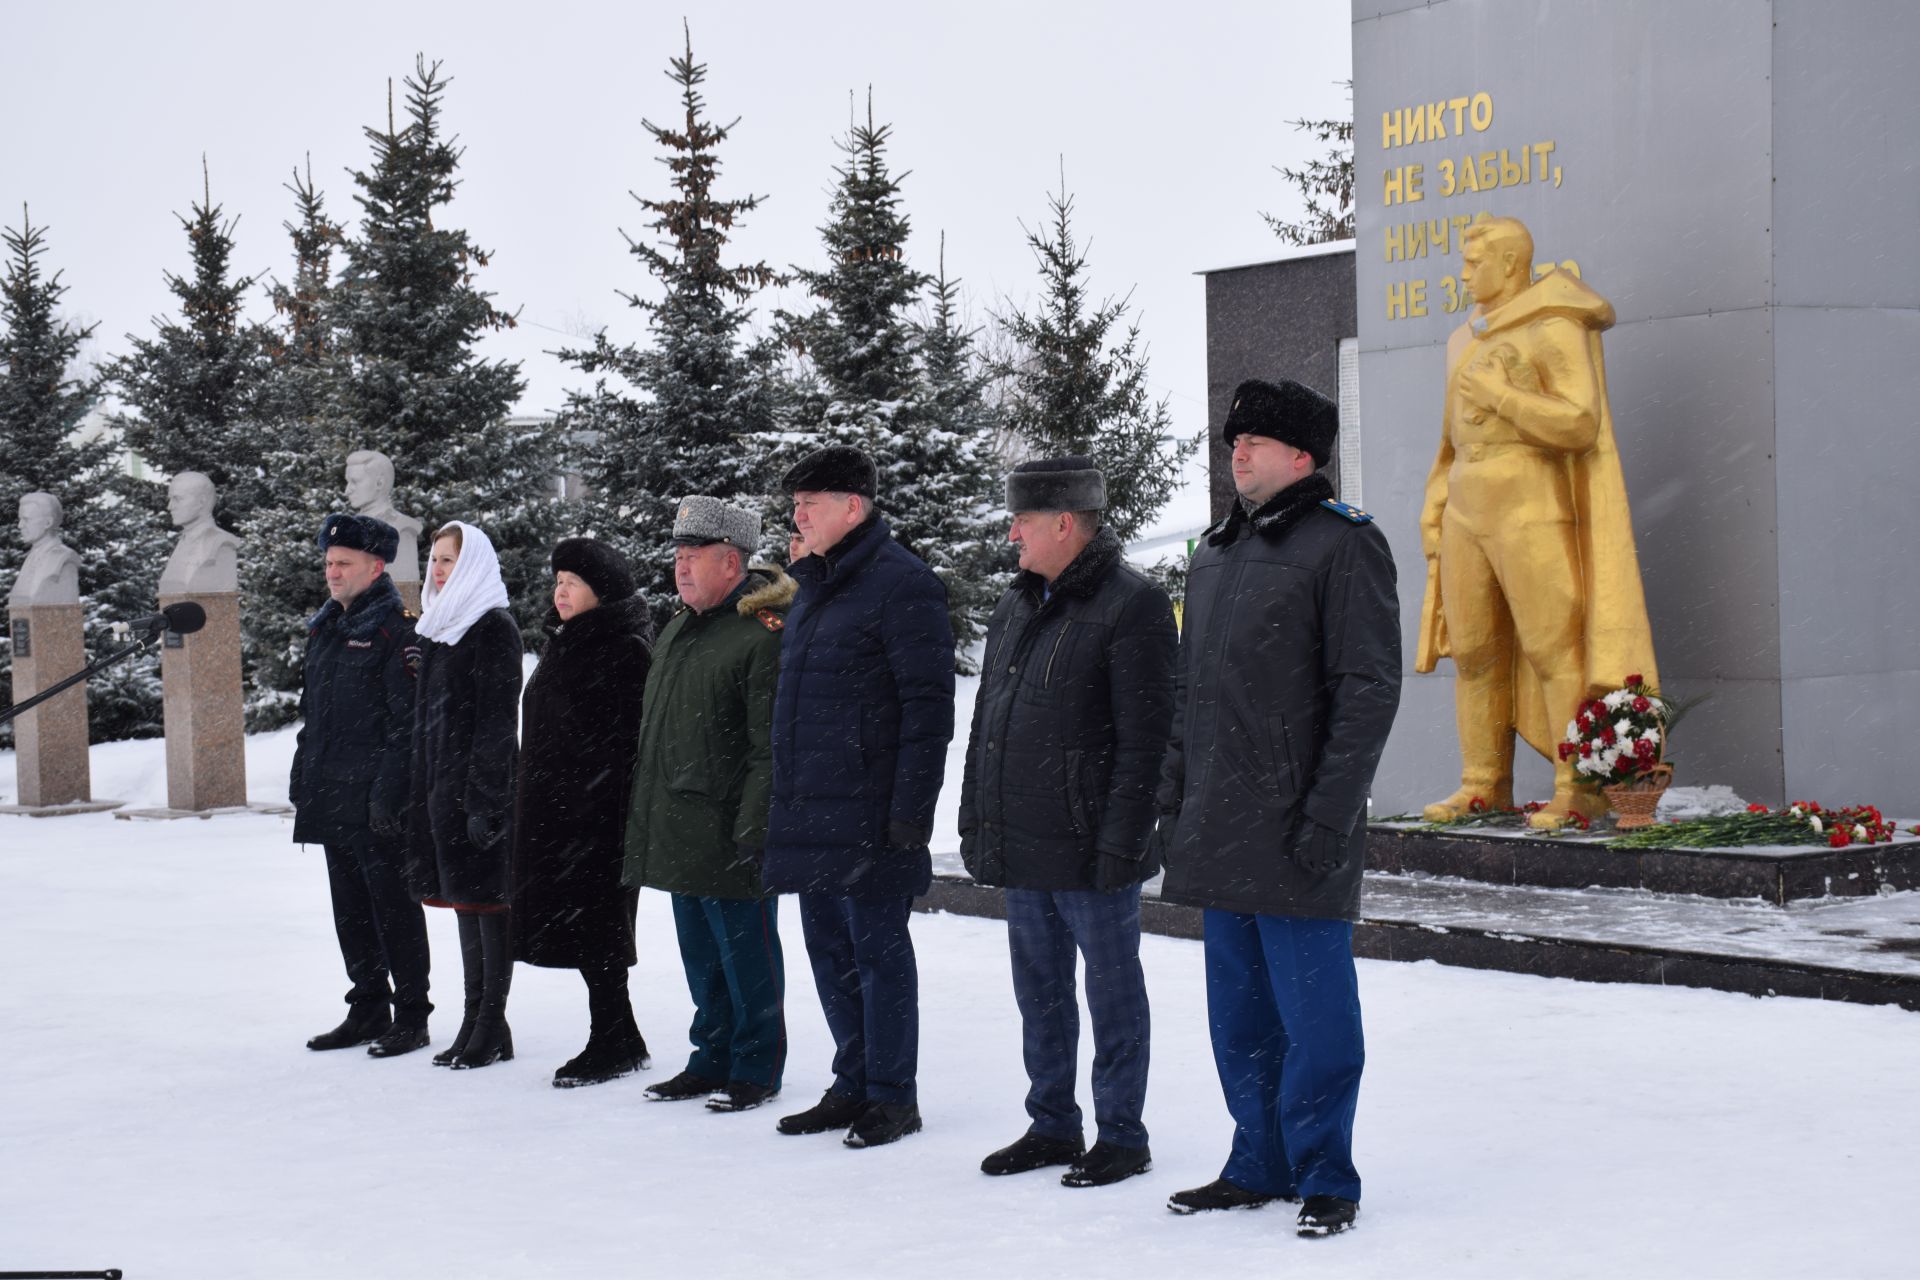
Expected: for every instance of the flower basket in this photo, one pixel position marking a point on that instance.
(1635, 801)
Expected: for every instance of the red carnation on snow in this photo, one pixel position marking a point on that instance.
(1839, 840)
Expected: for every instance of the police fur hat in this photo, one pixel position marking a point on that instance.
(598, 565)
(1287, 412)
(1071, 483)
(356, 532)
(701, 520)
(837, 468)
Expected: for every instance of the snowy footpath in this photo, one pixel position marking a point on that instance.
(159, 1114)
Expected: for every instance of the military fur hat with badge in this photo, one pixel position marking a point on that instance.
(356, 532)
(1285, 411)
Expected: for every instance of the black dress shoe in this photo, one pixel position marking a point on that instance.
(1218, 1194)
(1107, 1164)
(742, 1095)
(352, 1033)
(833, 1111)
(1327, 1216)
(884, 1122)
(1032, 1151)
(401, 1037)
(684, 1086)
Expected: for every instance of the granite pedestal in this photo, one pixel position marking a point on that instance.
(51, 740)
(206, 742)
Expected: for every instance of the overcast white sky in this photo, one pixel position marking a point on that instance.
(1170, 118)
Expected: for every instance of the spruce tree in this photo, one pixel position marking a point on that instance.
(43, 398)
(1325, 186)
(1077, 382)
(873, 387)
(190, 387)
(962, 427)
(686, 413)
(405, 315)
(304, 457)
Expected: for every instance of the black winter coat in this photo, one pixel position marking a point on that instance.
(862, 716)
(354, 747)
(1289, 677)
(1069, 728)
(579, 729)
(465, 743)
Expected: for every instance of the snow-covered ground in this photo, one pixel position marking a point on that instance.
(158, 1113)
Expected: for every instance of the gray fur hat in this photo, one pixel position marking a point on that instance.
(1072, 483)
(701, 520)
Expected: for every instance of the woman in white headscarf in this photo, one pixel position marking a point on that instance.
(465, 745)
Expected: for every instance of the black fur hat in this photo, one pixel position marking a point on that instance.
(1072, 483)
(598, 565)
(1287, 412)
(359, 533)
(837, 468)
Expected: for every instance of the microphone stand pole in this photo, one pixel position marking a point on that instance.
(137, 647)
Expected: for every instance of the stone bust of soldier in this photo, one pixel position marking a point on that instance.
(206, 559)
(370, 493)
(1533, 585)
(51, 572)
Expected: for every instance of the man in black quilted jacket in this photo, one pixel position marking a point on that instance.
(1071, 721)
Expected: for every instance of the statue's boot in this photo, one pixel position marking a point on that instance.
(1569, 797)
(1492, 795)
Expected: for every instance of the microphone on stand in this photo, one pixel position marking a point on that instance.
(183, 618)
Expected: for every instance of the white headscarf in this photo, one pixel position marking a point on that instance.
(473, 587)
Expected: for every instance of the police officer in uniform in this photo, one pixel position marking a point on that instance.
(349, 785)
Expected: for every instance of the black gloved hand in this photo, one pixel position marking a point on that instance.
(1318, 850)
(1111, 874)
(485, 832)
(385, 823)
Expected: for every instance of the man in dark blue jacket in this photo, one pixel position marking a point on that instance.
(349, 785)
(1076, 696)
(1288, 680)
(861, 720)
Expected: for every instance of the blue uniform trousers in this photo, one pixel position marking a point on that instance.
(1045, 933)
(1283, 1004)
(864, 969)
(730, 949)
(381, 928)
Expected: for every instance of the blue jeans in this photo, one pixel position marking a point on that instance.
(869, 984)
(730, 949)
(1045, 933)
(1283, 1004)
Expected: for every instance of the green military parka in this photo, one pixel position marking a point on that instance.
(704, 775)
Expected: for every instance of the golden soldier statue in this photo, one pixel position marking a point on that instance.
(1533, 587)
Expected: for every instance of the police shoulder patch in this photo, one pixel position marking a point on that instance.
(771, 620)
(1354, 514)
(410, 658)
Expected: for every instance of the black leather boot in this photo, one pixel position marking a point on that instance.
(491, 1040)
(472, 973)
(364, 1025)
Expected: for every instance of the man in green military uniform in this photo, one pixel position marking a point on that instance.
(700, 793)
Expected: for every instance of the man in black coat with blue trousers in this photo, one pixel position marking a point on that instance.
(349, 785)
(1288, 680)
(1076, 698)
(862, 716)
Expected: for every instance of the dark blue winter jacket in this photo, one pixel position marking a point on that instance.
(861, 720)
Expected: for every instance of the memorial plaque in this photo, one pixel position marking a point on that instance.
(22, 638)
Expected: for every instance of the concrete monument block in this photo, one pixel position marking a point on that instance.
(370, 493)
(206, 731)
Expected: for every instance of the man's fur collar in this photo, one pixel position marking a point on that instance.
(362, 619)
(1277, 514)
(1082, 576)
(766, 588)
